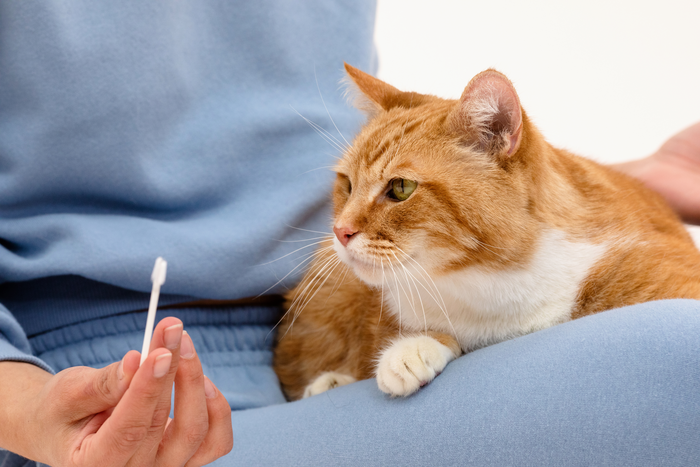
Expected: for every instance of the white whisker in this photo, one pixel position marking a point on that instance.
(329, 167)
(381, 304)
(330, 139)
(300, 284)
(342, 280)
(327, 237)
(308, 280)
(290, 272)
(298, 249)
(411, 301)
(426, 274)
(332, 266)
(324, 106)
(299, 309)
(441, 303)
(296, 299)
(407, 273)
(397, 301)
(318, 270)
(330, 234)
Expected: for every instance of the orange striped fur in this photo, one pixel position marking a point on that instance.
(504, 235)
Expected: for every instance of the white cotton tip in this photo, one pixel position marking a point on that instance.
(159, 270)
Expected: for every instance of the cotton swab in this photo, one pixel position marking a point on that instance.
(158, 279)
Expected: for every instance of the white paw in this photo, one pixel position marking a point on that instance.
(326, 381)
(410, 363)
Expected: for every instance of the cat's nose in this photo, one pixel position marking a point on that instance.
(344, 233)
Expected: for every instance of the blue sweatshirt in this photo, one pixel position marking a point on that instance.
(139, 129)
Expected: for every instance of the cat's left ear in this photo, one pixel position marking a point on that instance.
(488, 116)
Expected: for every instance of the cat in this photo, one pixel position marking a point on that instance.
(458, 226)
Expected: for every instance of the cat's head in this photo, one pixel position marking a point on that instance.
(434, 182)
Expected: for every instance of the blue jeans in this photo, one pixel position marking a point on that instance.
(619, 388)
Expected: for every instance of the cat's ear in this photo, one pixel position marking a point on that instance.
(376, 95)
(488, 116)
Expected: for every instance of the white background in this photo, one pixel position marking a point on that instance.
(609, 80)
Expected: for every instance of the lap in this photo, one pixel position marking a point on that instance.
(618, 388)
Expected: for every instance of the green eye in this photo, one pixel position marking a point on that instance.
(401, 189)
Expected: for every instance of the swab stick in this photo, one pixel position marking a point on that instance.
(158, 279)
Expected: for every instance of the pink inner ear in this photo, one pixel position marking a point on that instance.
(490, 102)
(515, 138)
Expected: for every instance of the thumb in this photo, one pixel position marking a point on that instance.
(103, 388)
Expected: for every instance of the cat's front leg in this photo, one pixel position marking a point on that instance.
(412, 362)
(326, 381)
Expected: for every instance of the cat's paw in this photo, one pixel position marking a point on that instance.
(326, 381)
(411, 363)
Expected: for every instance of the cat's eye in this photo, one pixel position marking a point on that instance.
(401, 189)
(343, 183)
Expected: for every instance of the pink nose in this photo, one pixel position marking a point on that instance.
(344, 233)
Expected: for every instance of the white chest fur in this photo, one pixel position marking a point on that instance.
(488, 306)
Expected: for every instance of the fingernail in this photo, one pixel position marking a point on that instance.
(209, 389)
(187, 347)
(120, 370)
(172, 336)
(162, 365)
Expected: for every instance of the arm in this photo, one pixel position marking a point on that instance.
(20, 383)
(674, 172)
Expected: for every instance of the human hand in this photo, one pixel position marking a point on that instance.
(118, 415)
(674, 172)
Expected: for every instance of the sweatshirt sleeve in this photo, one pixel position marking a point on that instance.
(14, 345)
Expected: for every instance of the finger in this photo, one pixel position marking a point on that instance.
(219, 440)
(168, 333)
(163, 338)
(191, 422)
(87, 391)
(124, 432)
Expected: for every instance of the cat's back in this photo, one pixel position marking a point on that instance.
(649, 255)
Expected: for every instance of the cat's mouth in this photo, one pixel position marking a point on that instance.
(368, 269)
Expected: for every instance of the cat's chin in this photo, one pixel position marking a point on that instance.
(369, 272)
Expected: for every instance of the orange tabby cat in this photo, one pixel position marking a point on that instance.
(466, 228)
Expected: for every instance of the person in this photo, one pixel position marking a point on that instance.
(173, 130)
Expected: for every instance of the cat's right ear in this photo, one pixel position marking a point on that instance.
(376, 96)
(488, 116)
